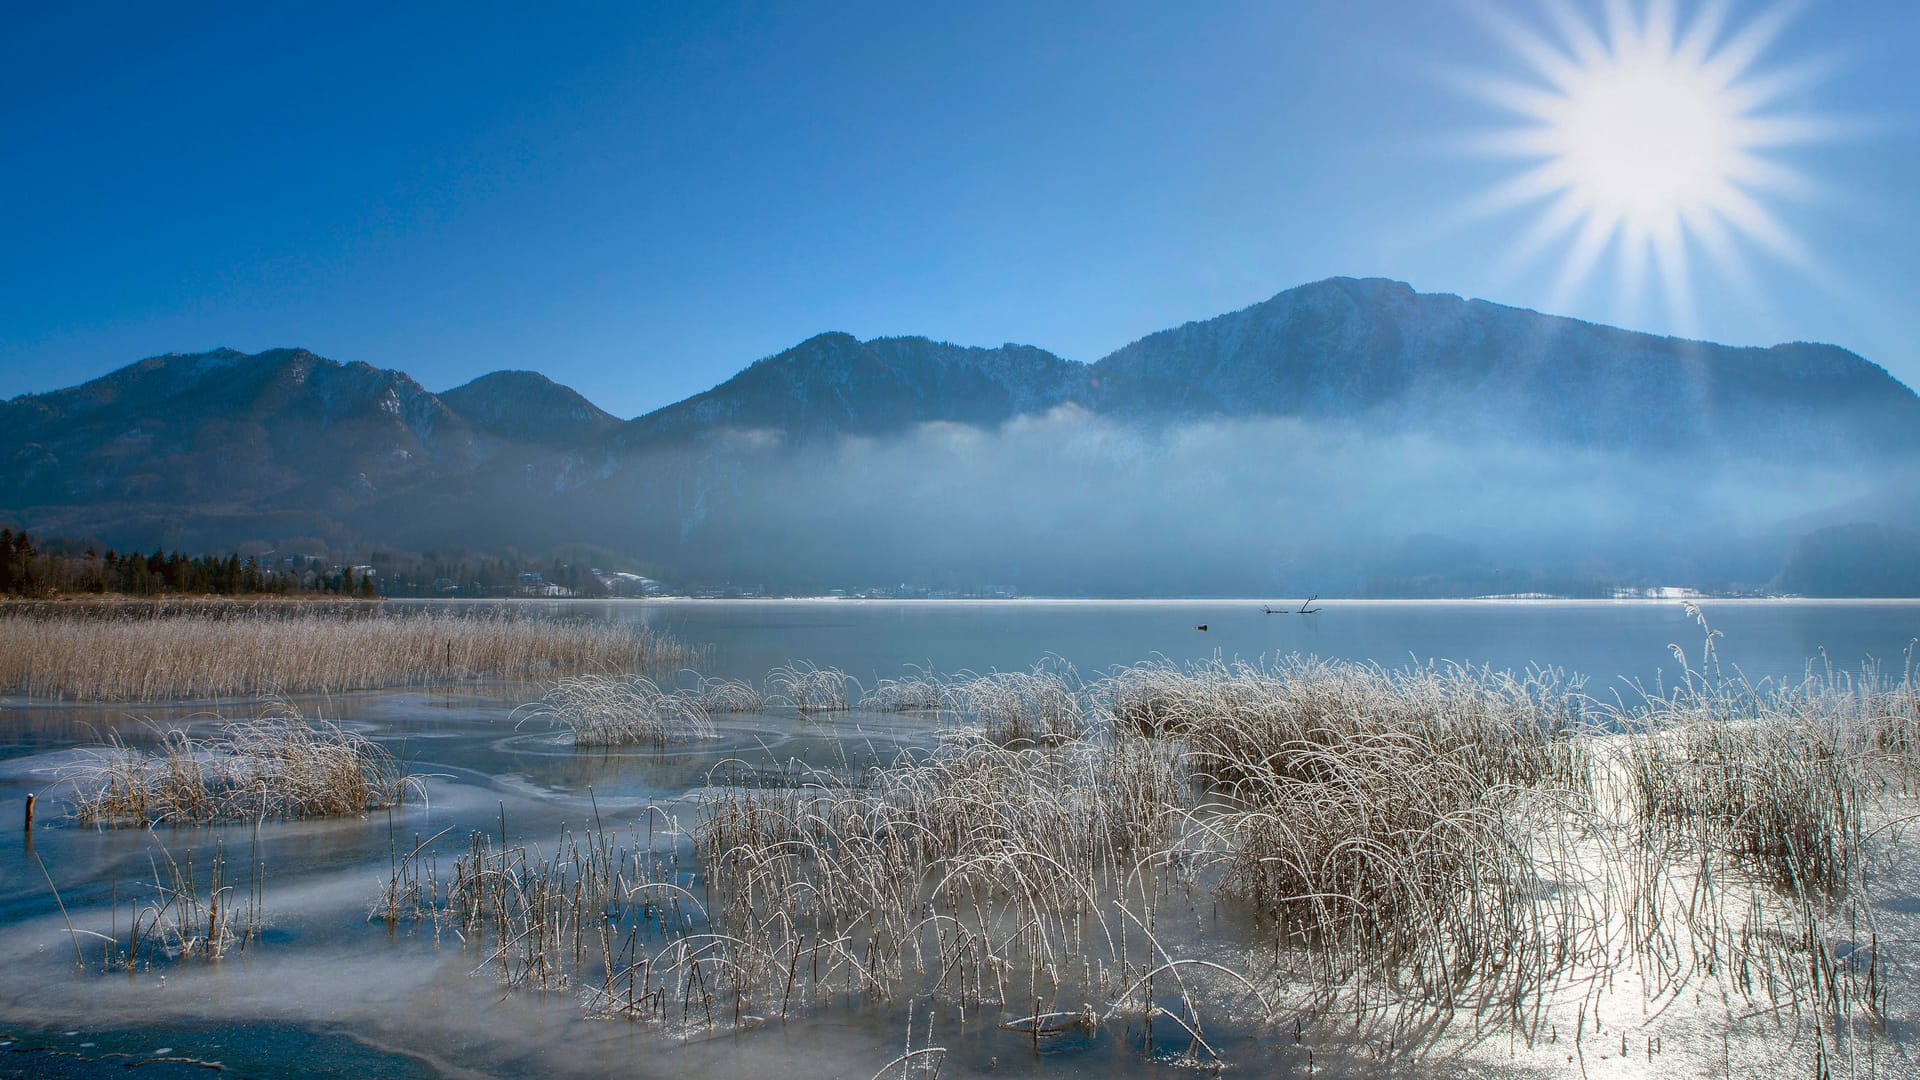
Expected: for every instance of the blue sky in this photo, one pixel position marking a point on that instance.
(640, 199)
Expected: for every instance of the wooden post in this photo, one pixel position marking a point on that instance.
(29, 826)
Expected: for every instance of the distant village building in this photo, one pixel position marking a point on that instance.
(533, 583)
(621, 583)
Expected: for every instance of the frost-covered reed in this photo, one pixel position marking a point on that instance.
(974, 873)
(604, 710)
(1291, 841)
(177, 916)
(1018, 707)
(1400, 821)
(809, 689)
(277, 765)
(730, 696)
(918, 691)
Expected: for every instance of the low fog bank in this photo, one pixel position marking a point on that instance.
(1071, 503)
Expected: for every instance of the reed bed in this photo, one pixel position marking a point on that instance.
(1749, 839)
(277, 765)
(984, 875)
(1786, 791)
(1401, 845)
(234, 651)
(1413, 823)
(1781, 776)
(1244, 720)
(604, 710)
(549, 920)
(1761, 808)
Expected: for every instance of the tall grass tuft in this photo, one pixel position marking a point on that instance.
(277, 765)
(920, 691)
(177, 916)
(1387, 821)
(1019, 707)
(603, 710)
(808, 689)
(730, 696)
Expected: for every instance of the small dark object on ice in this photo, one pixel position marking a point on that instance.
(1202, 628)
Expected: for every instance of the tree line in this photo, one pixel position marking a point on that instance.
(64, 567)
(29, 570)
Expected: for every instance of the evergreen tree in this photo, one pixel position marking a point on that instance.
(23, 578)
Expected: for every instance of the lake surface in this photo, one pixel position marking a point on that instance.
(326, 992)
(1608, 641)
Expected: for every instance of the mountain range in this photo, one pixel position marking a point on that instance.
(1328, 437)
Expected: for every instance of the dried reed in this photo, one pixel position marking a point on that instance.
(808, 689)
(245, 651)
(730, 696)
(1016, 707)
(921, 691)
(1417, 842)
(173, 920)
(604, 710)
(277, 765)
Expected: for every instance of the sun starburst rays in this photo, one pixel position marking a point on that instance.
(1646, 138)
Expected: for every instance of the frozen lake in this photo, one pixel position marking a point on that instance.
(326, 992)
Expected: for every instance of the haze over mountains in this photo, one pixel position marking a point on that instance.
(1348, 436)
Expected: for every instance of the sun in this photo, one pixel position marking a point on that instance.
(1643, 139)
(1648, 139)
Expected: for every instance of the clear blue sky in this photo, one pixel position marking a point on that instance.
(639, 199)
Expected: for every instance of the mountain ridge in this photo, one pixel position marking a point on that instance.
(220, 447)
(910, 355)
(527, 406)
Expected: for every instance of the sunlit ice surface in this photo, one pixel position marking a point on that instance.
(1651, 137)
